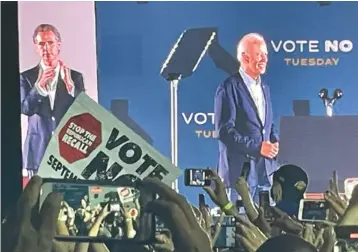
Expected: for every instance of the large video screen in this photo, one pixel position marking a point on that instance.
(58, 60)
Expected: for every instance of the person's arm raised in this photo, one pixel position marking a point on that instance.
(29, 229)
(350, 217)
(177, 214)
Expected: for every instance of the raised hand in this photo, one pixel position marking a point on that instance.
(45, 77)
(66, 73)
(178, 216)
(248, 234)
(163, 242)
(337, 204)
(218, 194)
(283, 221)
(243, 190)
(29, 229)
(350, 217)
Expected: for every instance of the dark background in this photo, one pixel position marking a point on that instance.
(11, 177)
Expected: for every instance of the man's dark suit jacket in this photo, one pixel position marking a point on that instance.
(42, 120)
(240, 131)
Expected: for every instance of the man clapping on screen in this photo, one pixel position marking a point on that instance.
(47, 91)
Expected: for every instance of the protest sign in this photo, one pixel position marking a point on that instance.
(91, 143)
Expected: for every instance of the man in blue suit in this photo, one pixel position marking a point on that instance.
(47, 91)
(244, 121)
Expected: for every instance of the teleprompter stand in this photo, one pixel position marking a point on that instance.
(181, 62)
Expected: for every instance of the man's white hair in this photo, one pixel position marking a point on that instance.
(248, 37)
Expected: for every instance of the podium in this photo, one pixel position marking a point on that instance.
(320, 144)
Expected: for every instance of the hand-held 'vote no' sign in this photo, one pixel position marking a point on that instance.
(91, 143)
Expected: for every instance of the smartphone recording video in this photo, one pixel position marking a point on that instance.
(226, 238)
(197, 177)
(95, 212)
(313, 210)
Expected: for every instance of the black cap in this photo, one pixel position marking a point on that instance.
(291, 177)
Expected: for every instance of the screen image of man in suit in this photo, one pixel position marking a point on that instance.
(47, 91)
(244, 121)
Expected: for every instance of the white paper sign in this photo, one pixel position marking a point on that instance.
(91, 143)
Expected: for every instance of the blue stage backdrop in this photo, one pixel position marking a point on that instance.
(133, 41)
